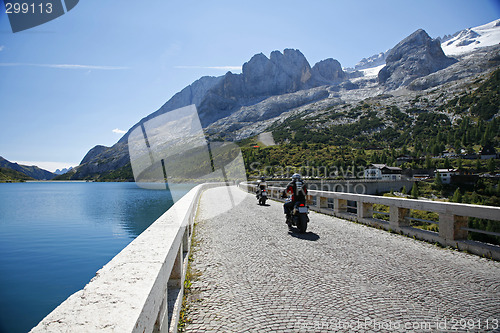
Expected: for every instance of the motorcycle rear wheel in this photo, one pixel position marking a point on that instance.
(302, 223)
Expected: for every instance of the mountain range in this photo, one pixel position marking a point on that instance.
(32, 171)
(63, 171)
(271, 90)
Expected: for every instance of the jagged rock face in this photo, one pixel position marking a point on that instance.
(329, 70)
(93, 153)
(101, 159)
(280, 74)
(480, 61)
(415, 56)
(267, 109)
(262, 77)
(467, 37)
(373, 61)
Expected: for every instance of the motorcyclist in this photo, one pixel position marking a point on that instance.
(298, 191)
(261, 185)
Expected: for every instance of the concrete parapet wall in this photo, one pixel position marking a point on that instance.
(453, 217)
(129, 294)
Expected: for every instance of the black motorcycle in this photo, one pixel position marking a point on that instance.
(298, 218)
(262, 196)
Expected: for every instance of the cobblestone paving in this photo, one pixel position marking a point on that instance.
(255, 276)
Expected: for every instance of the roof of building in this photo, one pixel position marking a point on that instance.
(384, 167)
(446, 170)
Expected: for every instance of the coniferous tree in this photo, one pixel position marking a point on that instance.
(457, 196)
(447, 164)
(428, 162)
(414, 191)
(478, 165)
(438, 182)
(491, 165)
(436, 150)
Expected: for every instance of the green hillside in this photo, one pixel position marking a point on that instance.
(123, 174)
(422, 125)
(31, 171)
(9, 175)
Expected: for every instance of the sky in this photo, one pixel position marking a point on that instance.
(86, 77)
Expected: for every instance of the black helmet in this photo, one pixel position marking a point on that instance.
(262, 178)
(296, 176)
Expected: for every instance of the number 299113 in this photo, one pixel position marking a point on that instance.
(28, 8)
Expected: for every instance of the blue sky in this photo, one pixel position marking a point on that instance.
(81, 79)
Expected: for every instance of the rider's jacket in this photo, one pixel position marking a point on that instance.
(298, 189)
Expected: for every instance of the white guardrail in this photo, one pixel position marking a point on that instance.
(453, 217)
(134, 291)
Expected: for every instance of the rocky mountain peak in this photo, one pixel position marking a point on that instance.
(329, 70)
(256, 63)
(415, 56)
(411, 44)
(373, 61)
(281, 73)
(93, 153)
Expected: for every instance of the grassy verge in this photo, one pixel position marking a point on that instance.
(192, 275)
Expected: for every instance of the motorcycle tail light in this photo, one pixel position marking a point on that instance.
(301, 205)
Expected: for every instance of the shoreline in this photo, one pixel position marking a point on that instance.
(45, 181)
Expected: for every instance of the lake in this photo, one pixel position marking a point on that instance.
(55, 236)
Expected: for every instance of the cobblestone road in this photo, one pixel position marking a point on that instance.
(255, 276)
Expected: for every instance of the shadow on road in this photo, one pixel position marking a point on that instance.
(310, 236)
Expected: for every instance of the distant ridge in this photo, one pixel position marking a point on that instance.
(9, 175)
(30, 171)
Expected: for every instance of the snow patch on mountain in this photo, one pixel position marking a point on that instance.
(471, 39)
(373, 61)
(372, 71)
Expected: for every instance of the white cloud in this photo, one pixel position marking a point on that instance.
(224, 68)
(62, 66)
(65, 66)
(49, 166)
(119, 131)
(2, 47)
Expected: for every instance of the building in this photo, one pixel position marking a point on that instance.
(400, 160)
(488, 152)
(464, 179)
(446, 174)
(383, 172)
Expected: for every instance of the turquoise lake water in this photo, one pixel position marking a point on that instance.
(55, 236)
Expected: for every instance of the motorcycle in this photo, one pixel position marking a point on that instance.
(298, 218)
(262, 197)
